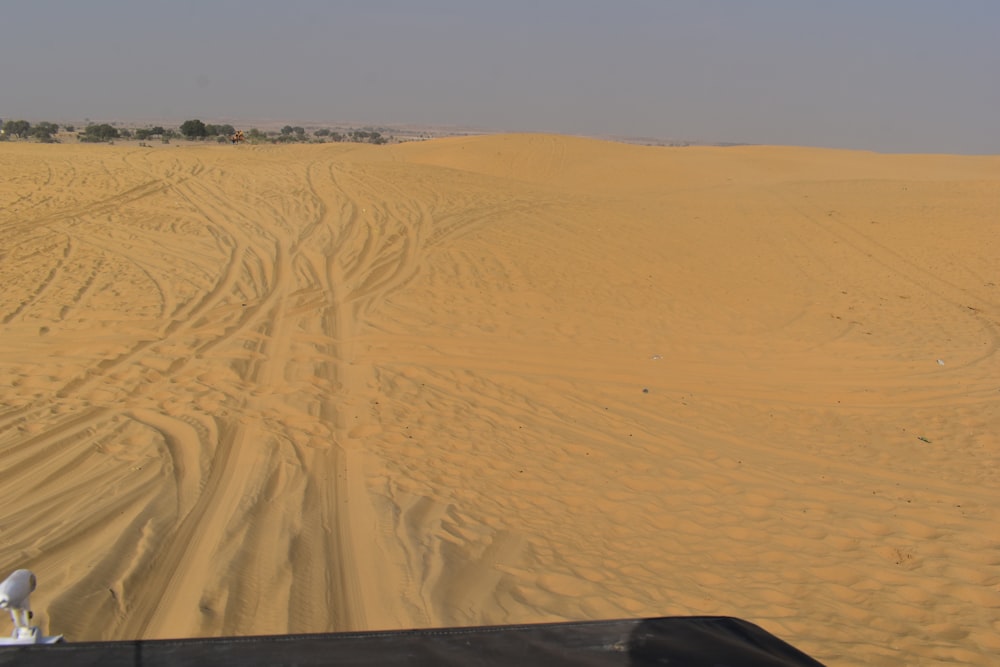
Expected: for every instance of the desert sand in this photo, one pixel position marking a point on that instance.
(517, 378)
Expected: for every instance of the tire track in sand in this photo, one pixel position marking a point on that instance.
(286, 267)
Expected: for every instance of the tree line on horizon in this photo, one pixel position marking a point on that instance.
(193, 130)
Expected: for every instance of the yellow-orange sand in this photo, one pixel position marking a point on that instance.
(500, 380)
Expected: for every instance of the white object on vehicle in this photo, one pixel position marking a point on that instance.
(14, 593)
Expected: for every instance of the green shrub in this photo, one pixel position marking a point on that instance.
(97, 133)
(194, 129)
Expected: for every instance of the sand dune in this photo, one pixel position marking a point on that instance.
(504, 379)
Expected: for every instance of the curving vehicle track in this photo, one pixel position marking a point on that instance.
(505, 379)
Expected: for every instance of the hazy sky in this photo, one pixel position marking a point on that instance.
(888, 75)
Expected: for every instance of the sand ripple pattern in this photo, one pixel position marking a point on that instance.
(504, 379)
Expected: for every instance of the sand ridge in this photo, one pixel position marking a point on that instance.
(504, 379)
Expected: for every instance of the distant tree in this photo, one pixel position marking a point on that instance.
(193, 129)
(322, 132)
(69, 128)
(147, 132)
(288, 129)
(366, 137)
(43, 132)
(17, 128)
(97, 133)
(219, 130)
(299, 131)
(108, 132)
(125, 133)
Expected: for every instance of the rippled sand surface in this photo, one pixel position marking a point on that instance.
(504, 379)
